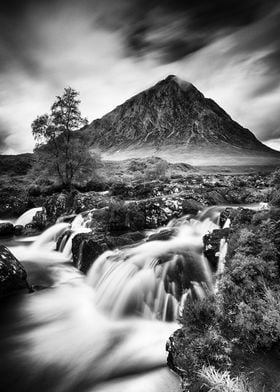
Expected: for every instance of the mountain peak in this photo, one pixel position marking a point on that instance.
(171, 114)
(183, 84)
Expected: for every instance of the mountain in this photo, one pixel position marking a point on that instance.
(174, 119)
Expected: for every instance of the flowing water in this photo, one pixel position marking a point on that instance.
(105, 331)
(27, 217)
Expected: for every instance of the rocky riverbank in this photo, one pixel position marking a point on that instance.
(231, 341)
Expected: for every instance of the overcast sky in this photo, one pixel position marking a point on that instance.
(110, 50)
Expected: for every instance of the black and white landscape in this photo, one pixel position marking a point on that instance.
(139, 196)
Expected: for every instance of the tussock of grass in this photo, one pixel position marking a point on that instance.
(218, 381)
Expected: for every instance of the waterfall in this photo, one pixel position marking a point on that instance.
(49, 237)
(28, 216)
(105, 332)
(149, 279)
(66, 247)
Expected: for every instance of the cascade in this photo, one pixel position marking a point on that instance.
(105, 332)
(150, 279)
(28, 216)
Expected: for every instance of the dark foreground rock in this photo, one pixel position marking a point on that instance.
(13, 276)
(6, 229)
(86, 247)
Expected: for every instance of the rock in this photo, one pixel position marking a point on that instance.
(18, 229)
(13, 277)
(56, 206)
(174, 351)
(31, 229)
(236, 196)
(40, 219)
(88, 201)
(75, 202)
(191, 206)
(86, 247)
(6, 229)
(214, 198)
(228, 213)
(162, 235)
(211, 243)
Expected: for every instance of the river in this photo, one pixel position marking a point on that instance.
(105, 331)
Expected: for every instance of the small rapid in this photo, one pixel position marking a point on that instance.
(105, 331)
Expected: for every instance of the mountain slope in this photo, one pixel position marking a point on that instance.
(172, 116)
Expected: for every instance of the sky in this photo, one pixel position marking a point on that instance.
(109, 50)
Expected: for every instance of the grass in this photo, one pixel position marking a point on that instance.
(217, 381)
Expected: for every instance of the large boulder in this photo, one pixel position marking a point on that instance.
(6, 229)
(56, 206)
(18, 229)
(74, 202)
(13, 277)
(214, 197)
(86, 247)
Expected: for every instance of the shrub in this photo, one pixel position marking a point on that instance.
(244, 301)
(200, 349)
(117, 216)
(275, 198)
(275, 179)
(200, 315)
(221, 381)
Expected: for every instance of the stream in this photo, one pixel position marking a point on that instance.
(105, 331)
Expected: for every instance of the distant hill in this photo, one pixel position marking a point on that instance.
(16, 164)
(175, 121)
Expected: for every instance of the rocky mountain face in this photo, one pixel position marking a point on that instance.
(170, 114)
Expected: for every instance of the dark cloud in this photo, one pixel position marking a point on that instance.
(195, 24)
(18, 36)
(169, 30)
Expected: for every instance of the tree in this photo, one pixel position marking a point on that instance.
(60, 151)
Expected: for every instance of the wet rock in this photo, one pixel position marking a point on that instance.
(75, 202)
(88, 201)
(6, 229)
(31, 229)
(40, 219)
(86, 247)
(162, 235)
(143, 214)
(56, 206)
(18, 229)
(227, 213)
(13, 277)
(211, 243)
(174, 349)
